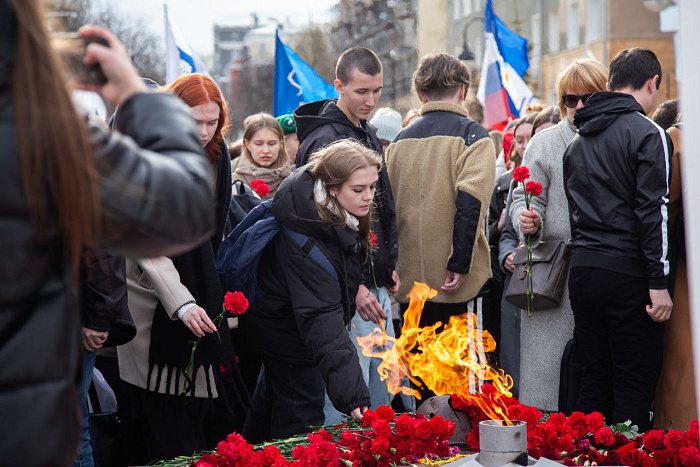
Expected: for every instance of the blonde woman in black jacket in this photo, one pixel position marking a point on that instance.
(65, 185)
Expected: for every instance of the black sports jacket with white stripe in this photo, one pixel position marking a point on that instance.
(617, 175)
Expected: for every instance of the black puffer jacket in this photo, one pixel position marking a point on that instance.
(322, 123)
(302, 317)
(617, 174)
(156, 195)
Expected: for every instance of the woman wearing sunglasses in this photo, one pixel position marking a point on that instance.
(545, 333)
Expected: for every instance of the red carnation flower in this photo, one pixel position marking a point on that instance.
(385, 413)
(235, 303)
(654, 440)
(674, 440)
(372, 238)
(594, 420)
(689, 456)
(604, 437)
(223, 370)
(260, 187)
(534, 188)
(520, 174)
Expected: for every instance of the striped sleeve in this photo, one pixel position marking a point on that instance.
(652, 198)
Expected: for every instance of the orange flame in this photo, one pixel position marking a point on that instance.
(452, 361)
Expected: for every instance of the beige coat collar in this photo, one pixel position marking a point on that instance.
(440, 106)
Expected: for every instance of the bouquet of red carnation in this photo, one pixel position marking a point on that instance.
(520, 174)
(261, 188)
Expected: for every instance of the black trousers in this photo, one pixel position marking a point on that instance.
(618, 346)
(288, 400)
(175, 425)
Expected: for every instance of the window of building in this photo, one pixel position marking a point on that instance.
(553, 31)
(572, 25)
(593, 21)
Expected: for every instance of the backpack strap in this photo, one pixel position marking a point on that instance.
(309, 247)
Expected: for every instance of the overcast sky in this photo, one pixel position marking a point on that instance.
(195, 18)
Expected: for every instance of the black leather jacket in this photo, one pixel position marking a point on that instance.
(156, 194)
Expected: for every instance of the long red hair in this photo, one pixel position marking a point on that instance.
(197, 89)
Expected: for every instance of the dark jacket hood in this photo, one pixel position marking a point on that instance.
(602, 109)
(310, 116)
(294, 207)
(8, 31)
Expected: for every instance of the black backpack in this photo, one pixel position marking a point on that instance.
(243, 200)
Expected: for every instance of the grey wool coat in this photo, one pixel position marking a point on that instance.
(545, 333)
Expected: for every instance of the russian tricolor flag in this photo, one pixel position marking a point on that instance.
(502, 91)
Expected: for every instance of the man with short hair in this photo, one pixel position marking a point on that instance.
(442, 171)
(617, 176)
(359, 84)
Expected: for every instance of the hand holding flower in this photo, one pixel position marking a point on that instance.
(197, 320)
(529, 222)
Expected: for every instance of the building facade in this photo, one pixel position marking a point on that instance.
(599, 29)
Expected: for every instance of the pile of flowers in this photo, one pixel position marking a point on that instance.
(581, 439)
(382, 439)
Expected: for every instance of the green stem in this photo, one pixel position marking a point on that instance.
(530, 297)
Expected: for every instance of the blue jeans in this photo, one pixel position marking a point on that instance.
(85, 457)
(377, 388)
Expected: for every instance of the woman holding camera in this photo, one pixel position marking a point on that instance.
(67, 184)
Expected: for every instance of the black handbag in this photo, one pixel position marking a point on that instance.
(550, 266)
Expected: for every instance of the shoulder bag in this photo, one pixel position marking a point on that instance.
(550, 266)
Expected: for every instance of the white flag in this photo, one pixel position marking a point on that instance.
(179, 58)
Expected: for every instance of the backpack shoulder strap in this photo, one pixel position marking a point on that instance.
(309, 247)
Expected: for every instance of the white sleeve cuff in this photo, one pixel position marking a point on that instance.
(184, 309)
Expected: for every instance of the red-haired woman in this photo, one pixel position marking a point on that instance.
(174, 301)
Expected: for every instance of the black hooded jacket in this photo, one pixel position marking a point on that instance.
(617, 175)
(322, 123)
(302, 315)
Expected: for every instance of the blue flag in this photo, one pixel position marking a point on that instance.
(296, 83)
(511, 46)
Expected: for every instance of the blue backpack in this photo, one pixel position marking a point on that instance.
(238, 257)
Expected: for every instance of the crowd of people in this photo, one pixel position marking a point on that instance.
(121, 239)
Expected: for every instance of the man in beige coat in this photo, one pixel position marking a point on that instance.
(442, 172)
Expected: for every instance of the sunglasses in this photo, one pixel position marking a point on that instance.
(571, 100)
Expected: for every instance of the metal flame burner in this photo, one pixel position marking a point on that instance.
(501, 443)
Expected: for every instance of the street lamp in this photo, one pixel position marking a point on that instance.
(467, 54)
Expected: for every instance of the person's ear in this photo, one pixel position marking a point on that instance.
(652, 83)
(462, 92)
(338, 86)
(423, 98)
(607, 85)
